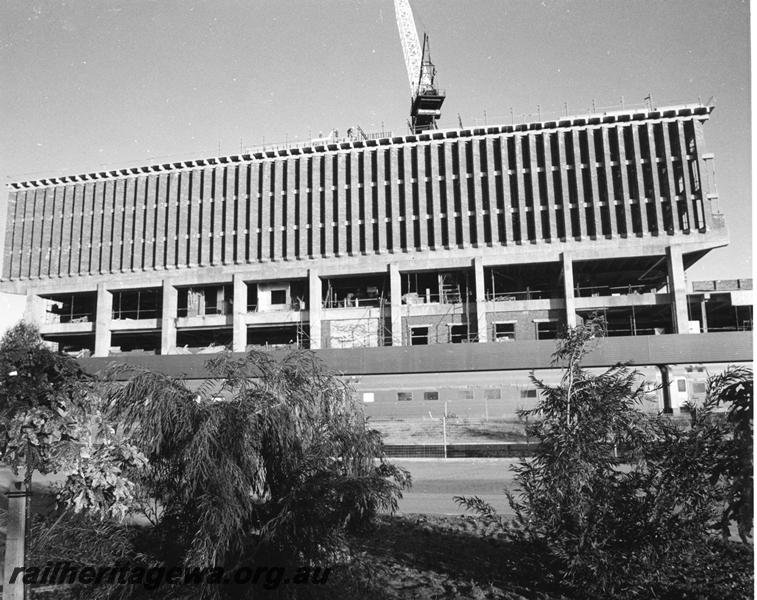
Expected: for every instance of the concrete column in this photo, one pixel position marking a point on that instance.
(314, 308)
(240, 312)
(168, 320)
(570, 301)
(478, 281)
(703, 309)
(395, 304)
(32, 312)
(677, 288)
(14, 543)
(103, 318)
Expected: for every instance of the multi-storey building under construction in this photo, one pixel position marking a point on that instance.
(496, 233)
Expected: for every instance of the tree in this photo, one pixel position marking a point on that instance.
(52, 422)
(734, 459)
(270, 458)
(611, 493)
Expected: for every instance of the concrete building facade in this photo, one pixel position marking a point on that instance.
(498, 233)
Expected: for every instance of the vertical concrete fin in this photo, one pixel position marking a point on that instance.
(478, 276)
(239, 343)
(314, 308)
(168, 318)
(570, 302)
(395, 303)
(677, 288)
(103, 318)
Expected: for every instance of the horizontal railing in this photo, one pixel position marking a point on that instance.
(522, 295)
(77, 317)
(140, 313)
(609, 290)
(352, 303)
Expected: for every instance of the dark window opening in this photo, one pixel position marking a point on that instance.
(278, 296)
(137, 304)
(458, 334)
(504, 332)
(404, 396)
(70, 308)
(419, 336)
(546, 330)
(430, 395)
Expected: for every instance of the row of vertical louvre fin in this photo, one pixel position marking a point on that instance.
(496, 190)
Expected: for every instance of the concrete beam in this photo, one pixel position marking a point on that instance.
(395, 298)
(721, 347)
(168, 318)
(314, 308)
(478, 281)
(677, 288)
(239, 343)
(570, 301)
(103, 317)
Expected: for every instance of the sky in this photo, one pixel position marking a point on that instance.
(86, 85)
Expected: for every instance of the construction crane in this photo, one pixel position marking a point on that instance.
(426, 99)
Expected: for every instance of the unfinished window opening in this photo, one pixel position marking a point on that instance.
(76, 345)
(619, 276)
(69, 308)
(504, 332)
(135, 342)
(634, 320)
(529, 394)
(419, 336)
(404, 396)
(203, 341)
(278, 336)
(430, 287)
(205, 300)
(355, 291)
(465, 394)
(137, 304)
(458, 334)
(431, 396)
(531, 281)
(546, 330)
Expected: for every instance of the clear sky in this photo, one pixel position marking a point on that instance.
(89, 84)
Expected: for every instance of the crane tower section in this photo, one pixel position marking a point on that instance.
(426, 98)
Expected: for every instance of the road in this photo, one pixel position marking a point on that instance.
(436, 481)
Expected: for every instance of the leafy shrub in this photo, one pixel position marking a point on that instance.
(612, 494)
(270, 460)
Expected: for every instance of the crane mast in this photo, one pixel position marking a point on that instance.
(426, 98)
